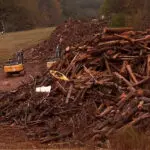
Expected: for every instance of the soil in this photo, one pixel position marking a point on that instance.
(15, 138)
(11, 83)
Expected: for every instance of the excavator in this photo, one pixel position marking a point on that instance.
(15, 65)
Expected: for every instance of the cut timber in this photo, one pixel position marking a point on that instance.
(113, 43)
(69, 93)
(116, 30)
(125, 80)
(148, 65)
(105, 38)
(131, 73)
(124, 37)
(61, 88)
(142, 81)
(49, 139)
(88, 71)
(146, 38)
(105, 112)
(68, 69)
(123, 69)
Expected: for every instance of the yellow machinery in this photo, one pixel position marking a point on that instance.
(58, 75)
(15, 65)
(50, 63)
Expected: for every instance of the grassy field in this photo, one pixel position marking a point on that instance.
(12, 42)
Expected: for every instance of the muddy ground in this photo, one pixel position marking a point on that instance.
(12, 137)
(11, 83)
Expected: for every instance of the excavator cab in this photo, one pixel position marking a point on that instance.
(15, 65)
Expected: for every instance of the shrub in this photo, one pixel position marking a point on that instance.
(118, 20)
(130, 139)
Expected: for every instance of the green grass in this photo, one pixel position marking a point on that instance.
(12, 42)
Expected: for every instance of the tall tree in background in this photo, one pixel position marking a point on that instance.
(18, 15)
(51, 11)
(128, 12)
(14, 18)
(146, 14)
(114, 10)
(81, 9)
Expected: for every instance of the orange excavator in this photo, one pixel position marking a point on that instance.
(15, 65)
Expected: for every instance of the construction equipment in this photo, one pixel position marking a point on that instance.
(50, 63)
(58, 75)
(15, 65)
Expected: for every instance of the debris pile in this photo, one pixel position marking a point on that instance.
(108, 89)
(72, 32)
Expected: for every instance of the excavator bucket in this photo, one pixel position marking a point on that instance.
(58, 75)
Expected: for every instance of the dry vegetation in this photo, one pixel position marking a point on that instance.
(11, 42)
(130, 139)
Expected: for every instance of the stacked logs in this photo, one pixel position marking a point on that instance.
(108, 89)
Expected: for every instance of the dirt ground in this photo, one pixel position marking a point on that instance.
(15, 138)
(11, 83)
(12, 137)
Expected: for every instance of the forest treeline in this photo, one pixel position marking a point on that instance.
(127, 12)
(16, 15)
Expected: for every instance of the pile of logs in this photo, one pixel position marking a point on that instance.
(108, 89)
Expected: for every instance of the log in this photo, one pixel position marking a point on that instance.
(123, 69)
(137, 120)
(122, 102)
(146, 38)
(145, 99)
(116, 30)
(105, 38)
(68, 69)
(142, 81)
(125, 38)
(88, 71)
(69, 93)
(61, 88)
(100, 108)
(108, 67)
(131, 73)
(98, 51)
(142, 92)
(148, 65)
(49, 139)
(113, 43)
(105, 112)
(125, 80)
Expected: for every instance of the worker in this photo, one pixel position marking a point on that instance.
(58, 51)
(58, 48)
(20, 56)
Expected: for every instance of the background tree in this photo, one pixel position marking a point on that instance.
(18, 15)
(127, 12)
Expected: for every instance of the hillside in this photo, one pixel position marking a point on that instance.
(12, 42)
